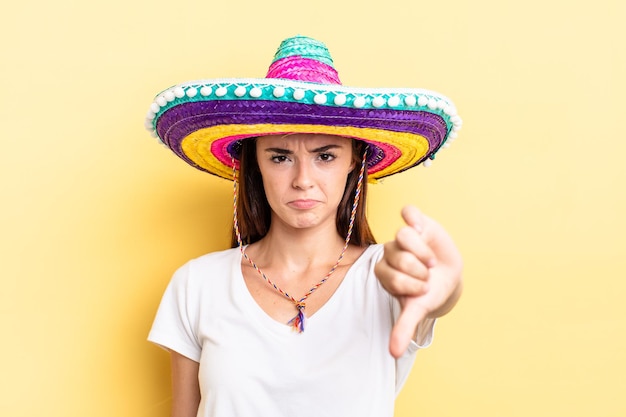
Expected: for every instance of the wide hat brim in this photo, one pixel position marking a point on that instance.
(203, 121)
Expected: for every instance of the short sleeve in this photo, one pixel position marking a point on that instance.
(424, 335)
(174, 327)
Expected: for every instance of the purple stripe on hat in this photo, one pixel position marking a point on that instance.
(178, 122)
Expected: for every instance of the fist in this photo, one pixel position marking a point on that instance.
(422, 268)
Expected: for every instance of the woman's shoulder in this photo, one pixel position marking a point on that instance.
(372, 253)
(216, 258)
(365, 260)
(211, 264)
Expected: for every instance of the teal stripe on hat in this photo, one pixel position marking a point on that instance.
(305, 47)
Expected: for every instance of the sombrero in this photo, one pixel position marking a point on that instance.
(204, 122)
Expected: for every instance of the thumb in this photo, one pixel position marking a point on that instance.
(413, 217)
(406, 324)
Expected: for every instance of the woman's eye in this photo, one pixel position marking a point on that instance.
(326, 157)
(279, 158)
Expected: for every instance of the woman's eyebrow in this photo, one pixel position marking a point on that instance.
(325, 148)
(279, 151)
(283, 151)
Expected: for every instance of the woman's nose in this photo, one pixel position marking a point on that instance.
(303, 176)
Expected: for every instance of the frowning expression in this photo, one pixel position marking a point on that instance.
(304, 176)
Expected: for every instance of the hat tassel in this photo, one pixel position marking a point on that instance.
(297, 323)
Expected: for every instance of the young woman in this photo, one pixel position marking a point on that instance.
(306, 314)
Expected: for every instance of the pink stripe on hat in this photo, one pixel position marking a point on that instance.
(296, 67)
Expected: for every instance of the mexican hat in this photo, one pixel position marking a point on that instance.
(204, 121)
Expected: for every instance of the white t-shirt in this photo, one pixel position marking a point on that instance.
(252, 365)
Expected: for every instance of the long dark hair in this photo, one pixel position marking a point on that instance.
(254, 212)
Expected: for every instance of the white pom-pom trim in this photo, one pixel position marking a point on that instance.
(240, 91)
(319, 99)
(393, 101)
(450, 110)
(179, 92)
(256, 92)
(298, 94)
(340, 99)
(278, 92)
(206, 91)
(359, 102)
(221, 91)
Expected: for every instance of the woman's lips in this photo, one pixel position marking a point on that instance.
(303, 204)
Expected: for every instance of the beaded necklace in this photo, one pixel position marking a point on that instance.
(297, 323)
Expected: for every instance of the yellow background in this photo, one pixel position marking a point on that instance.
(96, 216)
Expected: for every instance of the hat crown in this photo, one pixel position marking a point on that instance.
(302, 58)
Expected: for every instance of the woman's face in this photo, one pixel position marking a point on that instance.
(304, 176)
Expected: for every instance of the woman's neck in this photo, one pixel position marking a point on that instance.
(299, 249)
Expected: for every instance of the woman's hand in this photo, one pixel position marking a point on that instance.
(422, 268)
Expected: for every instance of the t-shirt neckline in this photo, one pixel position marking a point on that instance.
(254, 310)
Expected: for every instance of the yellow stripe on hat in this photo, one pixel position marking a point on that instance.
(411, 147)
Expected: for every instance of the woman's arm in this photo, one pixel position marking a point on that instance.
(185, 387)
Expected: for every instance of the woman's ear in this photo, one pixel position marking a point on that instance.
(356, 157)
(359, 152)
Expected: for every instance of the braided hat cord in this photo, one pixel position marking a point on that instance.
(297, 322)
